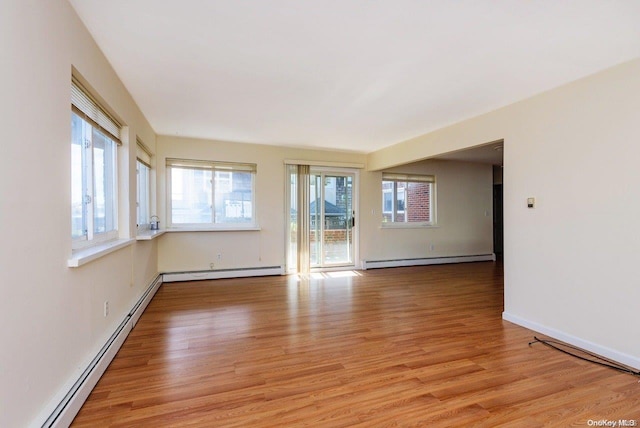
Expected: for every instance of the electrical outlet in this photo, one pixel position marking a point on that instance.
(212, 265)
(106, 308)
(432, 247)
(219, 256)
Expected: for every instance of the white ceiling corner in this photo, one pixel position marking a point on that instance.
(348, 74)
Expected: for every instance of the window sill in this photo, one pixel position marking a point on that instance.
(408, 226)
(148, 235)
(213, 229)
(84, 256)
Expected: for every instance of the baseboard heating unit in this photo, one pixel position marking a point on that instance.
(67, 408)
(222, 273)
(375, 264)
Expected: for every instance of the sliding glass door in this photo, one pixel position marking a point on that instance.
(331, 217)
(326, 220)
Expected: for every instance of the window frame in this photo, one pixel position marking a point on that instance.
(143, 194)
(406, 179)
(96, 122)
(214, 167)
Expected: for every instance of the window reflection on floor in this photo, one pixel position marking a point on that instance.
(322, 275)
(310, 294)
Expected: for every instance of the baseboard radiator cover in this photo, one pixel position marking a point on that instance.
(376, 264)
(222, 273)
(612, 354)
(69, 406)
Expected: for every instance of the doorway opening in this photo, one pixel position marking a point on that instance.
(498, 221)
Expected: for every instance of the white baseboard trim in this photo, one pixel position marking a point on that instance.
(612, 354)
(222, 273)
(145, 299)
(375, 264)
(68, 407)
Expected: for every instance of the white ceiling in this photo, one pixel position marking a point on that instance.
(348, 74)
(491, 153)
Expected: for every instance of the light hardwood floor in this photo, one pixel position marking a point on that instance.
(420, 346)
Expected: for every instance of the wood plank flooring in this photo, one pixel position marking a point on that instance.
(420, 346)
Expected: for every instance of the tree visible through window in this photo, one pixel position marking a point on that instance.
(407, 198)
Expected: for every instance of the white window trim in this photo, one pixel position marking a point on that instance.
(149, 235)
(98, 239)
(82, 257)
(87, 109)
(214, 166)
(199, 228)
(146, 225)
(407, 178)
(408, 225)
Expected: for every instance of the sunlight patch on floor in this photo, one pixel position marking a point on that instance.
(325, 275)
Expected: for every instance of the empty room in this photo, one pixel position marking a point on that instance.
(320, 213)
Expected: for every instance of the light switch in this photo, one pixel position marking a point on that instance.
(531, 202)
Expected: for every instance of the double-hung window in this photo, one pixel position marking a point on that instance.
(408, 199)
(211, 194)
(143, 193)
(94, 142)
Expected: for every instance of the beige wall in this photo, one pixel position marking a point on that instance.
(464, 210)
(464, 214)
(569, 263)
(52, 315)
(53, 321)
(196, 250)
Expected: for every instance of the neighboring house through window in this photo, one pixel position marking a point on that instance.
(407, 199)
(211, 194)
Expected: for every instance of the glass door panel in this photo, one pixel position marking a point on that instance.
(337, 237)
(315, 220)
(331, 219)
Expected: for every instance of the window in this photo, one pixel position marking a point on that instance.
(211, 194)
(407, 199)
(142, 199)
(94, 142)
(143, 171)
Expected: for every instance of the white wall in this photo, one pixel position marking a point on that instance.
(52, 315)
(570, 262)
(464, 209)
